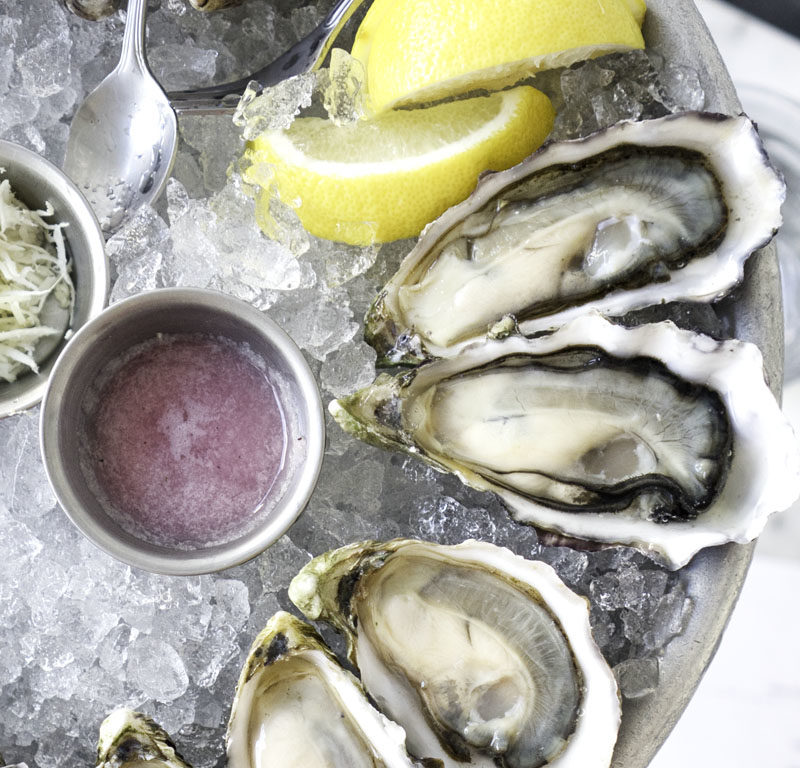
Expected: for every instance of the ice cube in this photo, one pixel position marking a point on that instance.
(349, 368)
(45, 67)
(156, 669)
(276, 107)
(637, 677)
(182, 65)
(137, 251)
(343, 88)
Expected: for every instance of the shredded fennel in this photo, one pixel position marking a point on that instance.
(33, 265)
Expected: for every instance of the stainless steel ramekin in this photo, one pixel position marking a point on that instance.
(35, 181)
(130, 322)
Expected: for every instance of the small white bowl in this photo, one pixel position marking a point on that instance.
(36, 181)
(136, 320)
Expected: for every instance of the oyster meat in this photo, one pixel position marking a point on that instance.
(296, 707)
(653, 436)
(635, 215)
(483, 657)
(129, 739)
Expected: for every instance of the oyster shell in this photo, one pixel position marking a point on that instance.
(296, 706)
(129, 739)
(635, 215)
(214, 5)
(654, 437)
(94, 10)
(483, 657)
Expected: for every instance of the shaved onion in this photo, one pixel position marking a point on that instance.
(33, 266)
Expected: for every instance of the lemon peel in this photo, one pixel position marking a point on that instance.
(385, 178)
(416, 51)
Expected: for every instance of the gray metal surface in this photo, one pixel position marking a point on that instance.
(754, 312)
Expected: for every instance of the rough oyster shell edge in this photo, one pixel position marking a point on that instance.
(285, 636)
(129, 737)
(753, 189)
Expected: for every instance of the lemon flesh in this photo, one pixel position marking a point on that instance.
(416, 51)
(384, 179)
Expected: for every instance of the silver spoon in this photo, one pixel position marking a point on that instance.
(123, 138)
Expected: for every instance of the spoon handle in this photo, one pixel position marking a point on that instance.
(133, 55)
(305, 55)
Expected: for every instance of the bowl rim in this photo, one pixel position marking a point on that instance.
(86, 220)
(179, 562)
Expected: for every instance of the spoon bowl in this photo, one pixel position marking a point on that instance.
(123, 138)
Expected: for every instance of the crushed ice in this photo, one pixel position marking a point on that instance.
(82, 633)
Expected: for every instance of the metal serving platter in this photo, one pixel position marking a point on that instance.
(714, 578)
(754, 313)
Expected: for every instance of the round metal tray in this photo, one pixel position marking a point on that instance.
(715, 576)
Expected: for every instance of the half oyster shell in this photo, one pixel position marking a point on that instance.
(484, 658)
(635, 215)
(94, 10)
(296, 706)
(129, 739)
(214, 5)
(654, 437)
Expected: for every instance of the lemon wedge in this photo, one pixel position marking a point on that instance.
(384, 179)
(417, 51)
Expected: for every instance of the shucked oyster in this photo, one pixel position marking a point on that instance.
(129, 739)
(652, 436)
(295, 706)
(214, 5)
(93, 9)
(635, 215)
(483, 657)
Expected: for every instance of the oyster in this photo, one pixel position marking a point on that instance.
(214, 5)
(635, 215)
(296, 706)
(483, 657)
(93, 10)
(653, 436)
(129, 739)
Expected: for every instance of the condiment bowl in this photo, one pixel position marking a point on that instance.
(67, 408)
(36, 181)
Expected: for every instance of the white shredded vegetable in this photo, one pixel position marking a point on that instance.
(33, 265)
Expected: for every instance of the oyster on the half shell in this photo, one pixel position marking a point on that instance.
(296, 706)
(214, 5)
(94, 10)
(485, 658)
(637, 214)
(655, 437)
(129, 739)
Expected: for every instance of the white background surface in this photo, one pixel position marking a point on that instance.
(746, 712)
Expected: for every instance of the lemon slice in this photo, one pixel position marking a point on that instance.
(418, 50)
(638, 8)
(386, 178)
